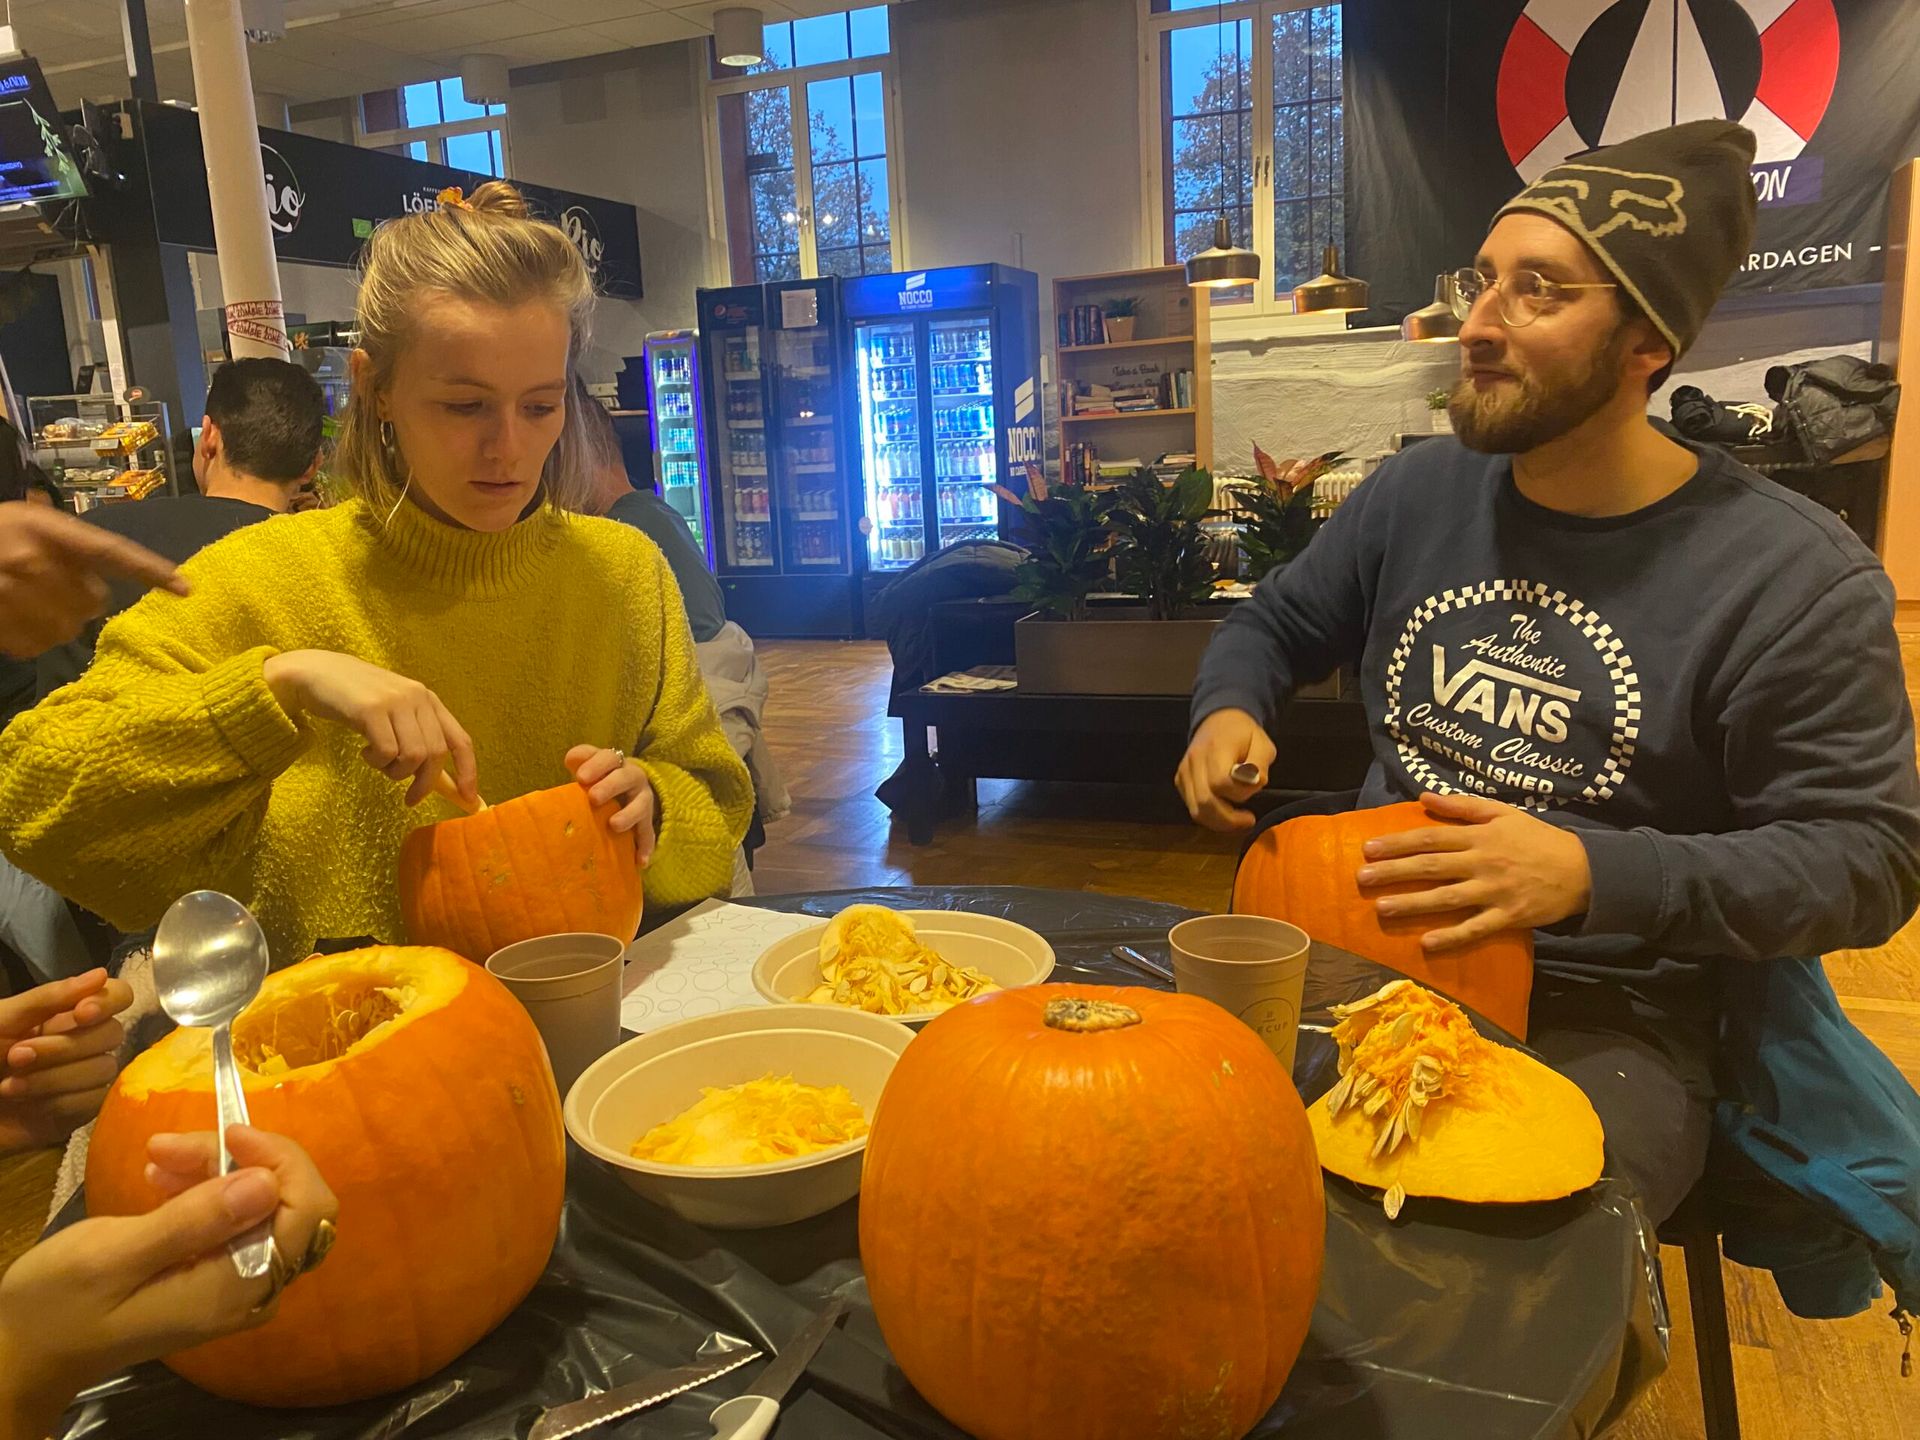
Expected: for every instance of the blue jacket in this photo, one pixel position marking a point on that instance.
(1816, 1107)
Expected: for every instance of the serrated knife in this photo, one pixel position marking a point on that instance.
(578, 1415)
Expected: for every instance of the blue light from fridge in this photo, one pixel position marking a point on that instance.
(957, 287)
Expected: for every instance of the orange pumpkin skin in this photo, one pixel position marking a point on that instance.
(441, 1136)
(1081, 1235)
(544, 864)
(1303, 871)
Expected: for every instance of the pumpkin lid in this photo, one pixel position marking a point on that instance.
(309, 1017)
(1427, 1106)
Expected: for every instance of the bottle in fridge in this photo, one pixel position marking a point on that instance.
(947, 364)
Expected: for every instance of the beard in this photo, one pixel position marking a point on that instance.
(1513, 419)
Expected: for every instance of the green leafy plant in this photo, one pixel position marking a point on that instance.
(1437, 399)
(1278, 513)
(1070, 544)
(1162, 552)
(1121, 306)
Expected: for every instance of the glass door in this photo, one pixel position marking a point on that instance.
(960, 361)
(676, 429)
(742, 491)
(886, 360)
(807, 476)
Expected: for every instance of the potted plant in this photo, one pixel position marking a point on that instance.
(1069, 545)
(1121, 312)
(1278, 515)
(1437, 412)
(1163, 551)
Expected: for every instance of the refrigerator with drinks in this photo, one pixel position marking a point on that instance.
(679, 443)
(774, 370)
(945, 367)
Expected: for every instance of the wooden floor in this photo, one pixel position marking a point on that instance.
(828, 728)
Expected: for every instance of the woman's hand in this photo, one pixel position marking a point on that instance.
(609, 775)
(409, 733)
(108, 1293)
(54, 570)
(59, 1042)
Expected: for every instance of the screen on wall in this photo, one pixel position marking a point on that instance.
(35, 163)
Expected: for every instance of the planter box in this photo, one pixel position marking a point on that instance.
(1119, 651)
(1114, 652)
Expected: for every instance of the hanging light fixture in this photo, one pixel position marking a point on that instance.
(1222, 263)
(737, 35)
(1435, 323)
(483, 79)
(1330, 291)
(264, 21)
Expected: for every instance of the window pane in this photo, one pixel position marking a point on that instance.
(876, 259)
(844, 262)
(876, 220)
(869, 115)
(1308, 145)
(499, 109)
(453, 102)
(776, 44)
(495, 149)
(776, 219)
(869, 28)
(821, 39)
(1164, 6)
(417, 150)
(756, 152)
(420, 104)
(469, 152)
(836, 205)
(783, 266)
(830, 119)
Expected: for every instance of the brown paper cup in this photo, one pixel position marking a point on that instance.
(570, 985)
(1251, 967)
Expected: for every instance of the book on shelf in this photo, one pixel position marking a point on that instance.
(1082, 325)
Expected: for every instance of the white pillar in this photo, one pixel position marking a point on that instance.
(236, 184)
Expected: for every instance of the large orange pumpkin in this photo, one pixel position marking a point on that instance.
(1090, 1212)
(544, 864)
(1303, 871)
(421, 1090)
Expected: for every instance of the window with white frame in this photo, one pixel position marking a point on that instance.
(433, 120)
(808, 185)
(1246, 122)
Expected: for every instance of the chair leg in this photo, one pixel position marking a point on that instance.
(1712, 1345)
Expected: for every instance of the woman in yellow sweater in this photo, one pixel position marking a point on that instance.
(268, 734)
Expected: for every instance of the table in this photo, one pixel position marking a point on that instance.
(1531, 1321)
(1011, 735)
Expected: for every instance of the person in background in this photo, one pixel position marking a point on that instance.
(1663, 694)
(110, 1292)
(270, 735)
(618, 499)
(259, 447)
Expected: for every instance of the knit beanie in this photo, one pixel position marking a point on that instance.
(1669, 213)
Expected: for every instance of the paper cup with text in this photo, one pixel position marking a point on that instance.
(570, 985)
(1251, 967)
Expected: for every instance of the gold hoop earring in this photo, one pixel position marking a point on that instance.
(386, 434)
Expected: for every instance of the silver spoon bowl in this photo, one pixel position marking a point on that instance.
(209, 959)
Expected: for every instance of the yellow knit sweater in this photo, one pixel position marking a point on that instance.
(169, 766)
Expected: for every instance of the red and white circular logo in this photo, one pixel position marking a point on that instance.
(1582, 73)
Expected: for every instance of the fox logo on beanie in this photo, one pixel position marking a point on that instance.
(1669, 213)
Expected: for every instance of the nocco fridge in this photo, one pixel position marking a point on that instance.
(679, 440)
(945, 364)
(773, 363)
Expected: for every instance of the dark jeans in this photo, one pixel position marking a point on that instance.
(1648, 1074)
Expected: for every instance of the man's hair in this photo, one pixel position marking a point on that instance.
(269, 413)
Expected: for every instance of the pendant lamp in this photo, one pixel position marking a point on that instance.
(1435, 323)
(1330, 291)
(737, 31)
(1222, 263)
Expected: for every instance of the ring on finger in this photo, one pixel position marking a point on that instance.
(619, 759)
(282, 1272)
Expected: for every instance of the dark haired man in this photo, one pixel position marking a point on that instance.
(1664, 693)
(259, 445)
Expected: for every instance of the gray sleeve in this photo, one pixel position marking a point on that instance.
(1302, 621)
(699, 590)
(1819, 760)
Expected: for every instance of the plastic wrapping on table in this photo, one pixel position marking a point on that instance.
(1492, 1321)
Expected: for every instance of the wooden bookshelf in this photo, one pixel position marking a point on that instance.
(1170, 333)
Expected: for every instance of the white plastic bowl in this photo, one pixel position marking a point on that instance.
(656, 1076)
(1008, 954)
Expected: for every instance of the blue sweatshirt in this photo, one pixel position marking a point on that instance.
(1708, 691)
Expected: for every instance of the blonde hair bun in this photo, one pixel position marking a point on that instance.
(497, 197)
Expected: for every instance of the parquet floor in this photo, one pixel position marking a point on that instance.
(828, 727)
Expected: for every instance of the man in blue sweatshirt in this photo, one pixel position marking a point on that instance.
(1664, 692)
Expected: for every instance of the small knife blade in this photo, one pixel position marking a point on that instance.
(778, 1378)
(577, 1415)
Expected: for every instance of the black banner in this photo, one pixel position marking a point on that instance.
(324, 198)
(1453, 105)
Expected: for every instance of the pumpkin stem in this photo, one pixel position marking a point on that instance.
(1084, 1017)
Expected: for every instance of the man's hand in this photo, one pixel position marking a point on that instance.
(1205, 780)
(1511, 869)
(53, 574)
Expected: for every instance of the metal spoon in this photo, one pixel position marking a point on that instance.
(209, 957)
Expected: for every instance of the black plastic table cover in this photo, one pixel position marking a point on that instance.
(1488, 1321)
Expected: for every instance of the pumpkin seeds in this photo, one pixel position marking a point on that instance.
(1393, 1200)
